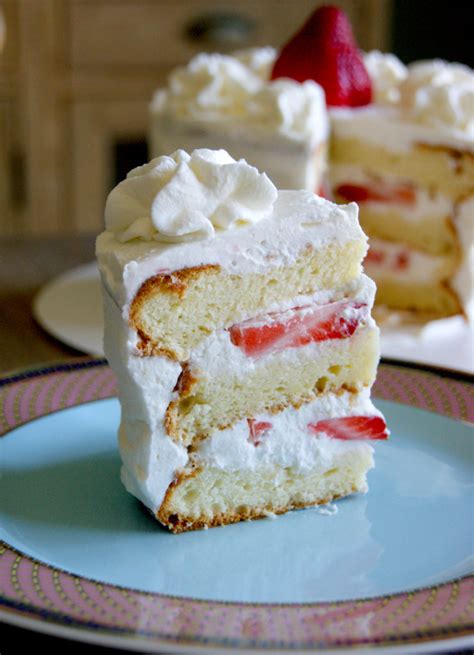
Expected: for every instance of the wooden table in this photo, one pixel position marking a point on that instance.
(25, 265)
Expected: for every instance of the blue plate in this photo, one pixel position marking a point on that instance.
(62, 503)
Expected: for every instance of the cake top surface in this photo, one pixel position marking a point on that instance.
(236, 90)
(205, 208)
(435, 92)
(425, 102)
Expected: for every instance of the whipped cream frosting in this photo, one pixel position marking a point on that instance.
(184, 196)
(386, 72)
(235, 90)
(438, 94)
(426, 102)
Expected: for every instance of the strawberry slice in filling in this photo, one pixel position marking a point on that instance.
(298, 327)
(352, 428)
(402, 194)
(257, 430)
(393, 261)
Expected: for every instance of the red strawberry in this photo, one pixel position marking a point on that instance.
(402, 260)
(354, 193)
(397, 193)
(257, 429)
(324, 191)
(324, 50)
(375, 256)
(304, 325)
(352, 427)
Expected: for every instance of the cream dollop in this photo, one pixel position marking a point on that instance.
(438, 93)
(236, 89)
(387, 72)
(259, 60)
(184, 197)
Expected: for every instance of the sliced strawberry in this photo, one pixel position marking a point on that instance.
(325, 50)
(352, 427)
(298, 327)
(402, 261)
(354, 193)
(257, 429)
(375, 256)
(401, 193)
(398, 261)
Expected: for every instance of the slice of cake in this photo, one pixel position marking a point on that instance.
(237, 320)
(402, 147)
(408, 160)
(229, 101)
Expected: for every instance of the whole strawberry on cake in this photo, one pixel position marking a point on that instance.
(402, 147)
(238, 322)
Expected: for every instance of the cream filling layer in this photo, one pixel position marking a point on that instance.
(426, 205)
(217, 356)
(288, 443)
(396, 261)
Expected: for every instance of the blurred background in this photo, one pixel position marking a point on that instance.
(76, 77)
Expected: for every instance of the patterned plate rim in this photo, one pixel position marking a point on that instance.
(49, 595)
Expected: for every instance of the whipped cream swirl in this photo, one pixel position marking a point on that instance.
(387, 72)
(184, 197)
(434, 93)
(438, 93)
(235, 89)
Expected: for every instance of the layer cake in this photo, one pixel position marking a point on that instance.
(237, 319)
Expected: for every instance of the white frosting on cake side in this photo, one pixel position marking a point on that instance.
(299, 219)
(150, 459)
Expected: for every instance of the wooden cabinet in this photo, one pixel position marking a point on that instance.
(76, 78)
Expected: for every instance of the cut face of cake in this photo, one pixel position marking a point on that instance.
(228, 101)
(408, 161)
(237, 320)
(402, 147)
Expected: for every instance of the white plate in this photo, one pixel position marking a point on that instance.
(70, 308)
